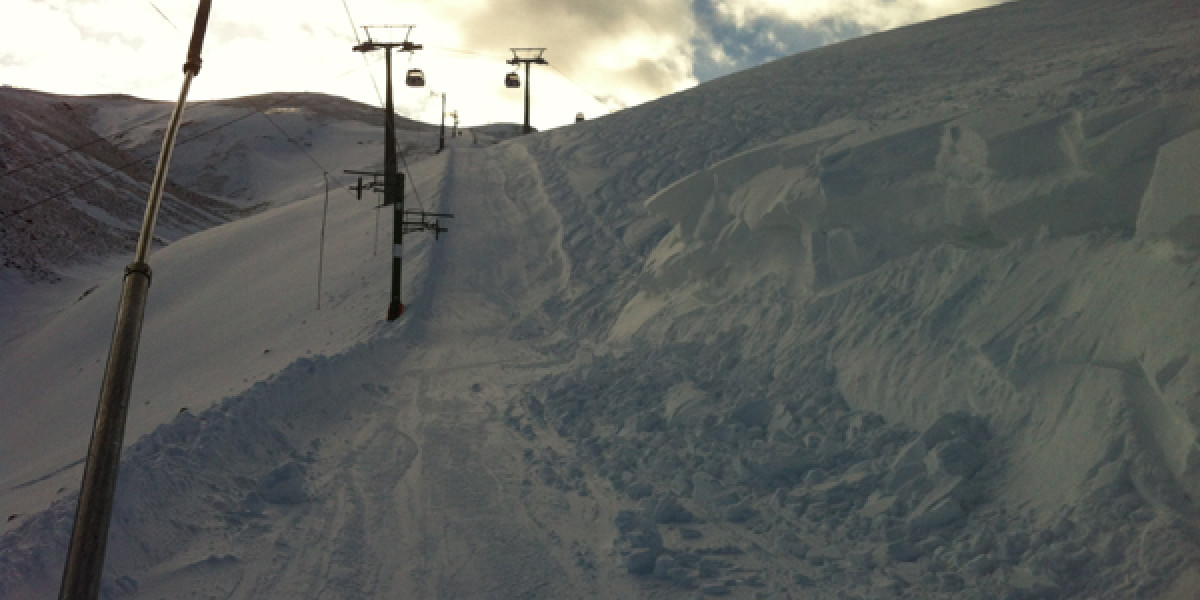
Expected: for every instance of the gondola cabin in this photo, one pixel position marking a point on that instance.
(512, 80)
(578, 117)
(415, 78)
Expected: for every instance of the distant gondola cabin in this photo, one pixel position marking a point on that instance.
(415, 78)
(512, 80)
(578, 117)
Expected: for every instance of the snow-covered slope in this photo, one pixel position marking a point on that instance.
(909, 316)
(231, 150)
(70, 195)
(76, 170)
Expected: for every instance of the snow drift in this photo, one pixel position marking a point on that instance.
(909, 316)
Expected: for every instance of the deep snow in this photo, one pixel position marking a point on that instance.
(909, 316)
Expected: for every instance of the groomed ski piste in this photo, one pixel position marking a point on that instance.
(911, 316)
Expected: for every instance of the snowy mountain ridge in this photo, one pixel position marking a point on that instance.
(62, 152)
(909, 316)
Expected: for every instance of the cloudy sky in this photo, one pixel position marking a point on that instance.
(603, 54)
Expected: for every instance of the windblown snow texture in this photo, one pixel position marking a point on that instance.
(912, 316)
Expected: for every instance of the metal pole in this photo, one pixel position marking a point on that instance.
(321, 252)
(396, 307)
(527, 127)
(84, 566)
(393, 193)
(389, 137)
(442, 139)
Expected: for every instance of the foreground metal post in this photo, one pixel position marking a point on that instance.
(84, 567)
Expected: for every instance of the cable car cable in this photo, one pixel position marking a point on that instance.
(96, 140)
(119, 168)
(293, 141)
(459, 51)
(108, 138)
(584, 90)
(413, 181)
(115, 170)
(164, 16)
(357, 40)
(366, 63)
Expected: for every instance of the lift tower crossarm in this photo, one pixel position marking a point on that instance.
(534, 56)
(376, 182)
(370, 45)
(527, 56)
(393, 182)
(393, 189)
(403, 46)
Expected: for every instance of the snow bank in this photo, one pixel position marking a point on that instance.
(855, 197)
(998, 238)
(1025, 259)
(907, 317)
(225, 310)
(1170, 205)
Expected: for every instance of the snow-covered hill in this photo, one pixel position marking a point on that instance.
(77, 169)
(909, 316)
(71, 195)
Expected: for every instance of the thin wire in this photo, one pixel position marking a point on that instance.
(383, 105)
(293, 141)
(379, 96)
(584, 90)
(412, 181)
(469, 52)
(160, 13)
(357, 39)
(77, 147)
(321, 256)
(581, 88)
(118, 168)
(374, 82)
(118, 135)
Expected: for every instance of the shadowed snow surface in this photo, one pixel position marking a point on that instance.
(913, 316)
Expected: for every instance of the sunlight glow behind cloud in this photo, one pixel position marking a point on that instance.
(874, 15)
(603, 55)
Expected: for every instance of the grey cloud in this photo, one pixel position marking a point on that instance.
(578, 34)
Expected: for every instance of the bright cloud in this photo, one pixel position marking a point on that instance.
(602, 55)
(869, 14)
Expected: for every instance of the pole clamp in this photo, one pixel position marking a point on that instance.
(139, 268)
